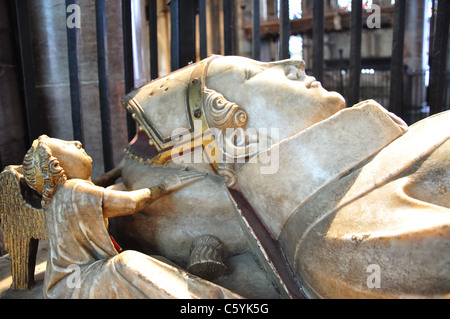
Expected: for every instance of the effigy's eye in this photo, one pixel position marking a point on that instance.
(252, 71)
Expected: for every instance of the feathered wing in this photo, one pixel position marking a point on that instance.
(22, 226)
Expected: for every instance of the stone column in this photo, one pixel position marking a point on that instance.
(48, 25)
(13, 132)
(415, 58)
(414, 30)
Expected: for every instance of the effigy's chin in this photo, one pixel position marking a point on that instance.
(335, 98)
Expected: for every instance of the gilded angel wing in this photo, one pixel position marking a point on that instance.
(22, 226)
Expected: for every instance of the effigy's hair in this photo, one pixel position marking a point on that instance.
(42, 171)
(221, 113)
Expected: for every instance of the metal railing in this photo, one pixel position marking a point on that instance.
(348, 80)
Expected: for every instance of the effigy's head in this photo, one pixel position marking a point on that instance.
(222, 104)
(274, 94)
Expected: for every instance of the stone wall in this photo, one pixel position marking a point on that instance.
(48, 20)
(51, 72)
(13, 133)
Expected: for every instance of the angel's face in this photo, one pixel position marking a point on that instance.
(72, 157)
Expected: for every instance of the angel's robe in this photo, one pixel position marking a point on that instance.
(84, 262)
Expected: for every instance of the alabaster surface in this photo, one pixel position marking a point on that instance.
(375, 216)
(249, 179)
(172, 223)
(338, 189)
(317, 157)
(78, 237)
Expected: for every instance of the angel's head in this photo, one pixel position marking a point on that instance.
(50, 162)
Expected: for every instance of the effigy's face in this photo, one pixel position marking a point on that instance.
(274, 94)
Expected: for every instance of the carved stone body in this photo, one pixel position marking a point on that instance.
(317, 199)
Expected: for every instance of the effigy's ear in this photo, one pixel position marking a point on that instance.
(221, 113)
(229, 118)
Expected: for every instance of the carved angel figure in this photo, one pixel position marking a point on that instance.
(76, 220)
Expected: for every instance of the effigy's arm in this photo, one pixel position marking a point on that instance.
(110, 177)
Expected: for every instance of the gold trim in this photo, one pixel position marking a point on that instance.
(170, 146)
